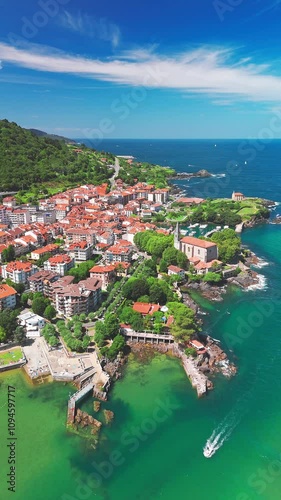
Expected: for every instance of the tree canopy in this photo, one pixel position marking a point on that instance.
(229, 245)
(27, 159)
(184, 325)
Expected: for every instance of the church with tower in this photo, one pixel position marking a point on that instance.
(194, 248)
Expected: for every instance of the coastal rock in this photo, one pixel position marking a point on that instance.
(97, 405)
(187, 175)
(208, 291)
(83, 419)
(245, 279)
(188, 301)
(108, 415)
(218, 360)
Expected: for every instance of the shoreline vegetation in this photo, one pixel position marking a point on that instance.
(54, 166)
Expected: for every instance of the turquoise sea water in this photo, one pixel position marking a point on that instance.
(153, 449)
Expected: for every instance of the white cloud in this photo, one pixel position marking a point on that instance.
(209, 71)
(84, 24)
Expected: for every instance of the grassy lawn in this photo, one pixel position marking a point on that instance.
(248, 212)
(179, 218)
(10, 356)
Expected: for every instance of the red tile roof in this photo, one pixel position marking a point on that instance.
(6, 291)
(175, 269)
(103, 269)
(190, 240)
(141, 307)
(46, 249)
(144, 308)
(59, 259)
(17, 265)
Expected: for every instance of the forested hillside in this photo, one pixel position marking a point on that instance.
(28, 160)
(41, 133)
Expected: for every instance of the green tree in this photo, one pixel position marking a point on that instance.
(8, 321)
(157, 294)
(8, 254)
(184, 325)
(182, 260)
(53, 341)
(170, 256)
(133, 318)
(135, 288)
(3, 334)
(212, 277)
(100, 333)
(39, 305)
(229, 245)
(191, 351)
(163, 266)
(82, 271)
(19, 335)
(117, 345)
(86, 342)
(24, 299)
(50, 312)
(112, 326)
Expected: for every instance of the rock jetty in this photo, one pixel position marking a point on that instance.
(187, 175)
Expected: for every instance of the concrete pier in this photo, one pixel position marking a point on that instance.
(239, 228)
(198, 380)
(74, 399)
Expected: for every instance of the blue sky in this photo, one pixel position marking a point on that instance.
(181, 69)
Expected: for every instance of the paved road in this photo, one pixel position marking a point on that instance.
(116, 172)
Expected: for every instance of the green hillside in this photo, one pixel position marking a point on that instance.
(27, 160)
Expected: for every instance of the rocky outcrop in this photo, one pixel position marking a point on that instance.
(245, 279)
(96, 406)
(113, 368)
(187, 175)
(215, 360)
(210, 292)
(108, 415)
(83, 419)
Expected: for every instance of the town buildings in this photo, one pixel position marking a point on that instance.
(59, 264)
(118, 253)
(41, 281)
(78, 298)
(7, 297)
(80, 251)
(106, 274)
(18, 271)
(39, 253)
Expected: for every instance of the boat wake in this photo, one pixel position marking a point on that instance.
(219, 176)
(220, 435)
